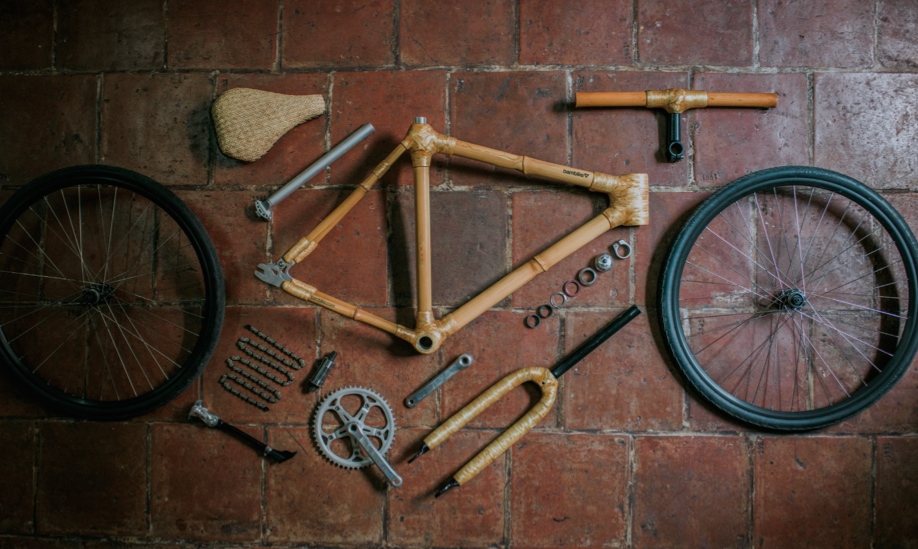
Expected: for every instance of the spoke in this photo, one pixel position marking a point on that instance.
(73, 332)
(825, 363)
(856, 306)
(797, 247)
(742, 253)
(118, 353)
(729, 282)
(768, 239)
(841, 266)
(130, 347)
(39, 248)
(40, 307)
(145, 344)
(118, 279)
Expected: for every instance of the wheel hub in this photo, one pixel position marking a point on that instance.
(97, 293)
(792, 299)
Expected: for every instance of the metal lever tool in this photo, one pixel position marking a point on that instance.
(461, 363)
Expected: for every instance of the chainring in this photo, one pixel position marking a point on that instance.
(343, 407)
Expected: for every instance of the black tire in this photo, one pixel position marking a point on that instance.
(111, 293)
(786, 299)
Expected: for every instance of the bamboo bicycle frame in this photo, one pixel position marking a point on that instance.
(628, 199)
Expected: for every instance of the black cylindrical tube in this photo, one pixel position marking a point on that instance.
(674, 148)
(595, 341)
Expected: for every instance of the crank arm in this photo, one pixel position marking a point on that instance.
(279, 456)
(211, 420)
(461, 363)
(274, 274)
(369, 449)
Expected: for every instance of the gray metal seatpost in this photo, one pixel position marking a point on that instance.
(263, 207)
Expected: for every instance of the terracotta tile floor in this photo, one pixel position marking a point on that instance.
(627, 458)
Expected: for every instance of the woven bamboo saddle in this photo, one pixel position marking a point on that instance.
(248, 122)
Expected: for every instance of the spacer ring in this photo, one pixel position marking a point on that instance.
(535, 322)
(568, 283)
(547, 308)
(587, 276)
(552, 299)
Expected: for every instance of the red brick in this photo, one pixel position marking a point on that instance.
(58, 114)
(469, 515)
(339, 506)
(26, 34)
(214, 490)
(865, 127)
(798, 499)
(468, 245)
(338, 34)
(292, 327)
(240, 242)
(350, 263)
(108, 34)
(158, 124)
(390, 101)
(569, 490)
(294, 152)
(16, 542)
(17, 484)
(691, 491)
(839, 33)
(897, 478)
(730, 143)
(668, 213)
(93, 479)
(210, 34)
(514, 112)
(617, 140)
(371, 358)
(542, 218)
(16, 400)
(500, 344)
(664, 35)
(622, 385)
(575, 33)
(453, 34)
(896, 20)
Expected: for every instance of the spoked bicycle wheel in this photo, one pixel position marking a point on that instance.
(787, 298)
(111, 294)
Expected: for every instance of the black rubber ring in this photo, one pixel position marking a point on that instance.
(547, 308)
(537, 321)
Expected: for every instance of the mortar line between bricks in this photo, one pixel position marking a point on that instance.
(263, 504)
(811, 117)
(165, 63)
(874, 456)
(751, 445)
(36, 448)
(279, 38)
(634, 33)
(54, 15)
(148, 515)
(876, 36)
(396, 33)
(756, 41)
(97, 156)
(629, 519)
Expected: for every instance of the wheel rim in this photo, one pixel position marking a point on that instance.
(105, 303)
(790, 302)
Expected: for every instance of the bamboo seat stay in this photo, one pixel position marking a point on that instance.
(628, 198)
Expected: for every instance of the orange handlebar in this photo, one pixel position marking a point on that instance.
(675, 99)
